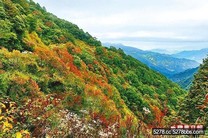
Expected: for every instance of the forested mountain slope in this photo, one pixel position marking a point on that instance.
(163, 63)
(194, 108)
(56, 80)
(184, 79)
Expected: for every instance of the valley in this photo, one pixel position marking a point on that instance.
(178, 69)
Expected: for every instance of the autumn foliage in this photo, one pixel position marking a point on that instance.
(58, 81)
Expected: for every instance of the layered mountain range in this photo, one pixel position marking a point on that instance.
(197, 55)
(179, 68)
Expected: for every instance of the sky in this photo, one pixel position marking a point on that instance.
(173, 25)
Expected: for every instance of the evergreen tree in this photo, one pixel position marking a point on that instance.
(195, 106)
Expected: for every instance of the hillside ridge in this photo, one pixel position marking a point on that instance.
(54, 75)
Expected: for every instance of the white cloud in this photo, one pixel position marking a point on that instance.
(145, 19)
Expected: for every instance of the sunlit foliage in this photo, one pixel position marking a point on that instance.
(57, 77)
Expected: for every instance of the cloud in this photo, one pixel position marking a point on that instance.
(110, 20)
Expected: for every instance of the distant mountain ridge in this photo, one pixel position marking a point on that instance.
(163, 63)
(184, 79)
(162, 51)
(197, 55)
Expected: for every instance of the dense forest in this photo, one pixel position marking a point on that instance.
(194, 108)
(57, 80)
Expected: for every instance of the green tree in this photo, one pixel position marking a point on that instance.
(31, 22)
(194, 108)
(2, 11)
(19, 25)
(7, 37)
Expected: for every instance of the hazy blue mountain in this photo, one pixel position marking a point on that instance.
(184, 79)
(163, 63)
(162, 51)
(197, 55)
